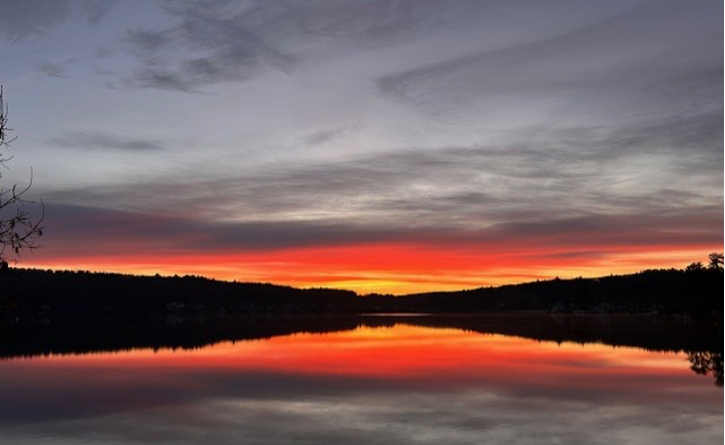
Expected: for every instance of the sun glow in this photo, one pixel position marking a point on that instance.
(390, 268)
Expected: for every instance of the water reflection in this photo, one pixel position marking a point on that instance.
(397, 383)
(707, 362)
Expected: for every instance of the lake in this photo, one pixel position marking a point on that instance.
(396, 381)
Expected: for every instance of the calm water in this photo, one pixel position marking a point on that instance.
(370, 385)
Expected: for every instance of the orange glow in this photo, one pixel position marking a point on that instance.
(396, 268)
(446, 374)
(435, 356)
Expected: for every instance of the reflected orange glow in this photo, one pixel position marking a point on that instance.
(436, 356)
(391, 267)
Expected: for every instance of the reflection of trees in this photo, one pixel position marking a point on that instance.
(706, 362)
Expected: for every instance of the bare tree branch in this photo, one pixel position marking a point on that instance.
(19, 230)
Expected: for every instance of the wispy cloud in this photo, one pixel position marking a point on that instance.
(52, 70)
(327, 135)
(220, 41)
(104, 141)
(30, 19)
(568, 173)
(636, 61)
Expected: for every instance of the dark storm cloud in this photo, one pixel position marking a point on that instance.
(25, 19)
(104, 141)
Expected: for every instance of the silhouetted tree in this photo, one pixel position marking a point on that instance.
(695, 267)
(715, 261)
(18, 229)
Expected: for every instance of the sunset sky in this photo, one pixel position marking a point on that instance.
(391, 146)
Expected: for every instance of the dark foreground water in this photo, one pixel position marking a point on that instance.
(394, 384)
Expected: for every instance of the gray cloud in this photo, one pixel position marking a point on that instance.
(104, 141)
(645, 59)
(220, 40)
(562, 190)
(146, 41)
(52, 70)
(327, 135)
(94, 10)
(111, 232)
(208, 45)
(27, 19)
(392, 418)
(572, 172)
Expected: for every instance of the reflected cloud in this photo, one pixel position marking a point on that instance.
(411, 417)
(394, 384)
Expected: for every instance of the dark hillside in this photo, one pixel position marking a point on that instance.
(38, 296)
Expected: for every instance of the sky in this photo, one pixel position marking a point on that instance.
(381, 146)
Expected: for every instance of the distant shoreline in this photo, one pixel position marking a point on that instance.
(31, 296)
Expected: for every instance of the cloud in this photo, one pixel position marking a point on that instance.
(104, 141)
(220, 41)
(78, 231)
(647, 59)
(107, 227)
(391, 417)
(580, 188)
(28, 19)
(147, 41)
(52, 70)
(206, 46)
(328, 135)
(578, 171)
(94, 10)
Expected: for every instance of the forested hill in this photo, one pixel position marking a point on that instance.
(32, 295)
(662, 291)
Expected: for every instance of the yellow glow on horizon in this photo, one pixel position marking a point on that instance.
(400, 271)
